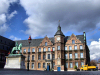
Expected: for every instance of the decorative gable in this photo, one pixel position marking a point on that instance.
(73, 37)
(46, 39)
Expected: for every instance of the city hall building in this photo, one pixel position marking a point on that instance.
(60, 52)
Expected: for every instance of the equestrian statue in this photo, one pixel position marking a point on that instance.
(17, 48)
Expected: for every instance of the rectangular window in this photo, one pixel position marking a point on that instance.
(76, 64)
(48, 56)
(71, 65)
(65, 47)
(66, 57)
(81, 47)
(48, 48)
(43, 65)
(28, 57)
(53, 56)
(58, 47)
(39, 57)
(75, 47)
(81, 55)
(39, 65)
(76, 56)
(53, 65)
(82, 63)
(53, 48)
(25, 50)
(28, 50)
(43, 57)
(32, 65)
(66, 65)
(45, 43)
(32, 57)
(39, 49)
(43, 49)
(33, 50)
(70, 47)
(70, 55)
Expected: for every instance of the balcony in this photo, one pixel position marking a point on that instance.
(28, 52)
(70, 59)
(70, 50)
(33, 52)
(66, 59)
(81, 49)
(81, 58)
(24, 52)
(48, 60)
(32, 60)
(76, 59)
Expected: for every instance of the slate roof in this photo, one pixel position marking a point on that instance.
(36, 42)
(59, 32)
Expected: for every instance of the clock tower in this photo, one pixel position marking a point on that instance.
(59, 49)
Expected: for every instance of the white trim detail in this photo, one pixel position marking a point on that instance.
(55, 70)
(70, 70)
(62, 70)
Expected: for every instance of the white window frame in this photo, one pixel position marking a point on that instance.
(48, 48)
(76, 64)
(70, 56)
(76, 55)
(66, 56)
(71, 65)
(33, 50)
(81, 55)
(32, 57)
(81, 47)
(32, 65)
(39, 49)
(53, 48)
(75, 47)
(58, 47)
(24, 50)
(70, 47)
(43, 65)
(44, 49)
(66, 48)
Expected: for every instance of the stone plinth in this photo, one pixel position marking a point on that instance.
(16, 61)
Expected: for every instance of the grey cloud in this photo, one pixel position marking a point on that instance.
(76, 15)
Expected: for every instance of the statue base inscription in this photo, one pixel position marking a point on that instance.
(15, 61)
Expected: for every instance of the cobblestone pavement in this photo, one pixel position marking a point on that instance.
(35, 72)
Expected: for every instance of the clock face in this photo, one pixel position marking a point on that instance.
(58, 38)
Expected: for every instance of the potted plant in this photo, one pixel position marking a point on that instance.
(75, 67)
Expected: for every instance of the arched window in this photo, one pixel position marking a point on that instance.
(73, 41)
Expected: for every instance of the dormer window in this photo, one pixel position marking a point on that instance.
(45, 43)
(73, 41)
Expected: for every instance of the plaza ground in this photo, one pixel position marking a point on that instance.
(36, 72)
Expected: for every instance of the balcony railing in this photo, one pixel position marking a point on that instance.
(81, 58)
(76, 59)
(24, 52)
(70, 59)
(32, 60)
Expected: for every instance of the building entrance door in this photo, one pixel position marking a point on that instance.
(48, 66)
(58, 68)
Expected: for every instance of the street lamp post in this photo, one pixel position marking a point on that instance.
(29, 40)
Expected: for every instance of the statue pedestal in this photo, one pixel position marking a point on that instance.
(15, 61)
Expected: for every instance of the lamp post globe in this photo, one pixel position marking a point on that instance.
(29, 40)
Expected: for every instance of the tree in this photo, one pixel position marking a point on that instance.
(93, 63)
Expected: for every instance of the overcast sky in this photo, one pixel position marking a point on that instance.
(38, 18)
